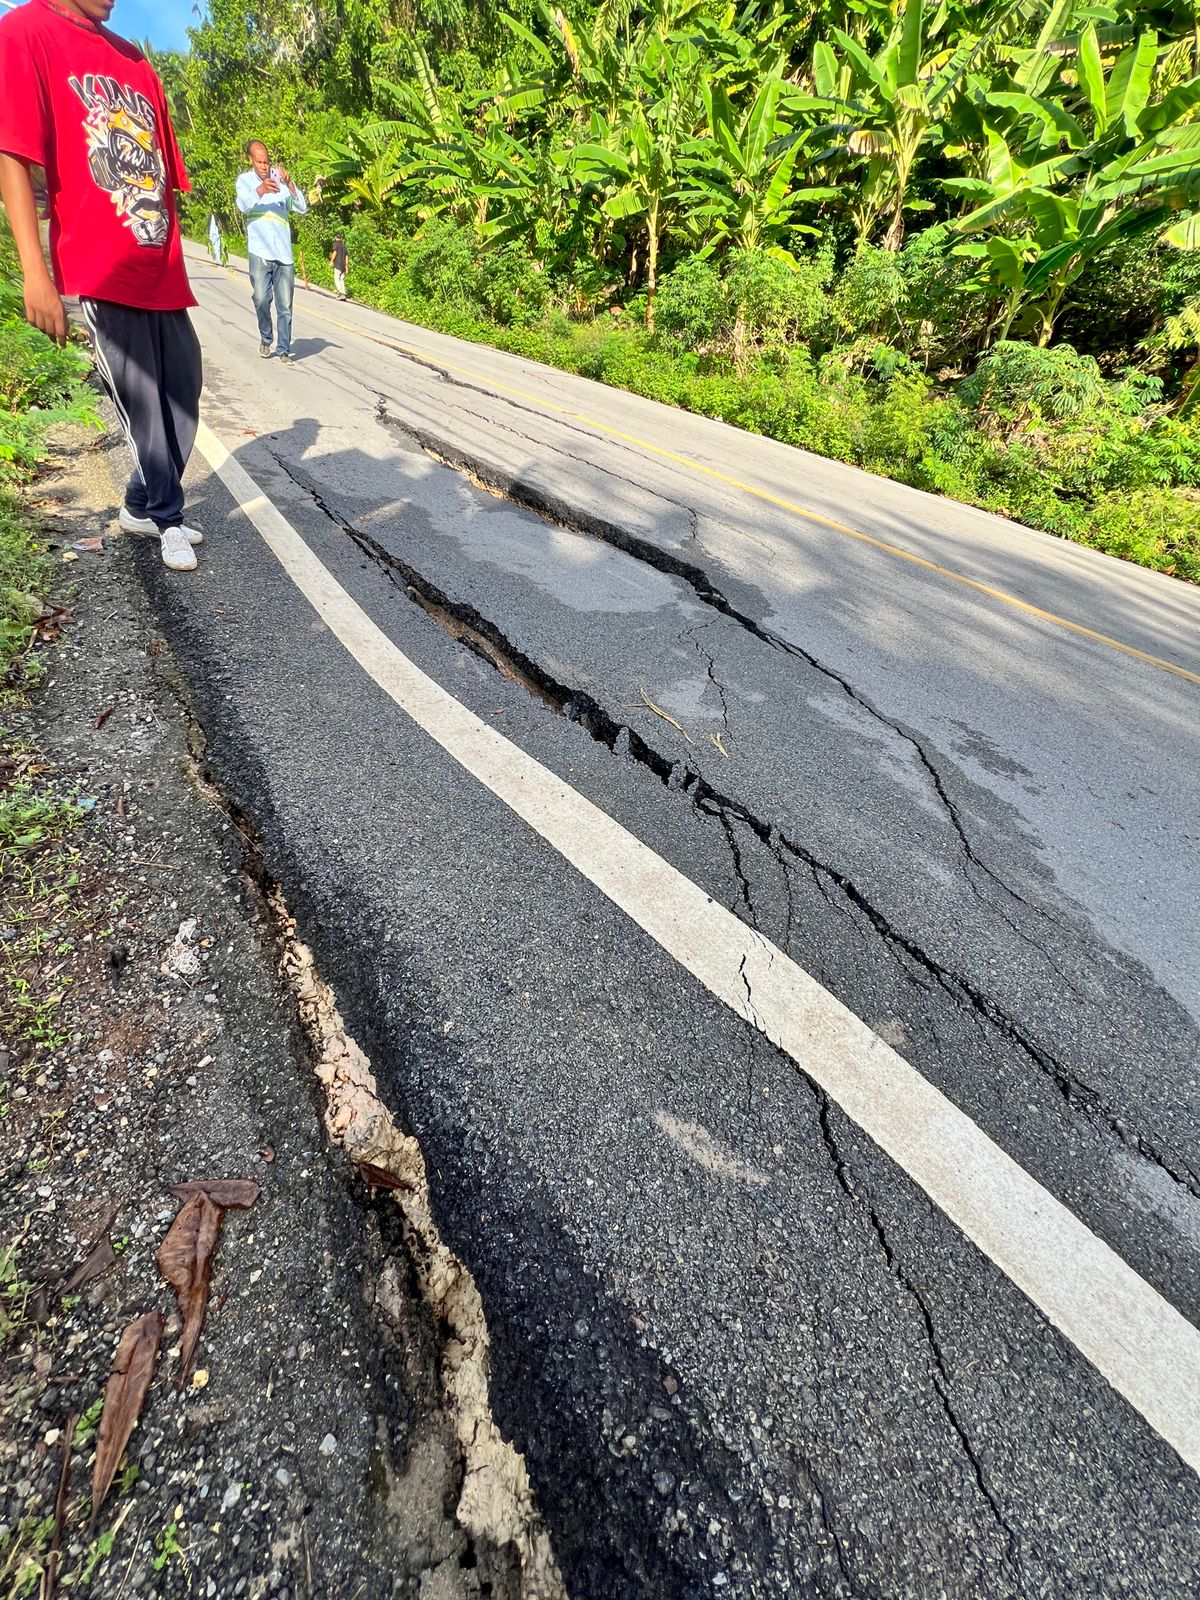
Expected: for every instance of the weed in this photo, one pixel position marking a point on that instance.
(99, 1550)
(23, 1555)
(168, 1547)
(14, 1295)
(38, 880)
(86, 1427)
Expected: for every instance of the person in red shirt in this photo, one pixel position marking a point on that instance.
(87, 106)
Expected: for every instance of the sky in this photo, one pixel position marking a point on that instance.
(163, 22)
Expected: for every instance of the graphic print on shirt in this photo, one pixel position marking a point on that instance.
(124, 154)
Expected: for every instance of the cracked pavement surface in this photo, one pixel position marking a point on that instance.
(743, 1353)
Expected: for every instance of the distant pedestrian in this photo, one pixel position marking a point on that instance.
(216, 245)
(340, 262)
(268, 199)
(87, 106)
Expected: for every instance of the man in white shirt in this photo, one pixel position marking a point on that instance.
(267, 198)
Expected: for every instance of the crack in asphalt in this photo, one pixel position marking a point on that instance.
(565, 421)
(710, 668)
(939, 1372)
(576, 520)
(480, 634)
(573, 520)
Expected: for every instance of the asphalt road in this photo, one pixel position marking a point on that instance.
(948, 766)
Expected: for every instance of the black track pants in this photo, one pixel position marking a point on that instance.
(150, 364)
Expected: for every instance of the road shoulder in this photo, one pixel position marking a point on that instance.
(310, 1450)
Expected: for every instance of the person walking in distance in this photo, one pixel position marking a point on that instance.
(216, 245)
(267, 198)
(87, 106)
(340, 262)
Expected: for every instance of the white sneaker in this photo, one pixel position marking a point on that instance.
(132, 524)
(177, 552)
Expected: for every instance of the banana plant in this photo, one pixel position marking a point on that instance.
(371, 167)
(736, 183)
(1066, 181)
(889, 105)
(635, 160)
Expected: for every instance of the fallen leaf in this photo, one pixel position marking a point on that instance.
(89, 546)
(124, 1394)
(68, 556)
(200, 1378)
(231, 1194)
(185, 1260)
(98, 1260)
(267, 1153)
(379, 1177)
(60, 1511)
(50, 623)
(104, 715)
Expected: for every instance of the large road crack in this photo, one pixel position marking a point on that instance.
(539, 500)
(938, 1368)
(536, 498)
(481, 635)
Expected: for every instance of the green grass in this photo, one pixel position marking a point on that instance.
(38, 901)
(24, 575)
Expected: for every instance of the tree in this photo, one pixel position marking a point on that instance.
(1128, 164)
(635, 156)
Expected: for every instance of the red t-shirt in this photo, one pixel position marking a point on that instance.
(88, 106)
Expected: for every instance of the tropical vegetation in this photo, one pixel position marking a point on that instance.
(958, 244)
(41, 386)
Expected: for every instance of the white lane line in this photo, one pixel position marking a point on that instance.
(1146, 1350)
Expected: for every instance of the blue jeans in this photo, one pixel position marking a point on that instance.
(273, 279)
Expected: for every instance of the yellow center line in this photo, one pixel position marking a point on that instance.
(883, 545)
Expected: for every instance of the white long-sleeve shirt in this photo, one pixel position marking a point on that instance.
(268, 225)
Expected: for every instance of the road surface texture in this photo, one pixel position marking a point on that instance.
(945, 767)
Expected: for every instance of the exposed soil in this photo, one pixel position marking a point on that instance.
(319, 1446)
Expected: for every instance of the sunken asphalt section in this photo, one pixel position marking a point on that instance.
(742, 1354)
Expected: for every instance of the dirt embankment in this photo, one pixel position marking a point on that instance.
(332, 1436)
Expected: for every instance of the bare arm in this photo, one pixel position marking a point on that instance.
(43, 303)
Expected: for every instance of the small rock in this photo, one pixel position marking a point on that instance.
(283, 1477)
(328, 1445)
(231, 1497)
(664, 1482)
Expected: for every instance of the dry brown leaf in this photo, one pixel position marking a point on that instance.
(185, 1260)
(380, 1178)
(54, 1562)
(132, 1369)
(231, 1194)
(98, 1260)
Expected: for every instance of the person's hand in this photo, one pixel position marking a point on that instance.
(268, 186)
(283, 177)
(44, 308)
